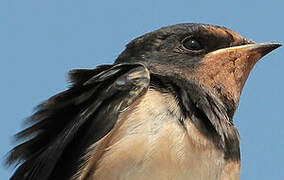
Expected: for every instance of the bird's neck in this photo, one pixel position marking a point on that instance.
(207, 111)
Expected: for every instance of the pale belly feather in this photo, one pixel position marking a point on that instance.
(150, 143)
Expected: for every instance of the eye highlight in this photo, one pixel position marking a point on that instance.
(192, 44)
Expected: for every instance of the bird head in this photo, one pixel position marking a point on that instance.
(212, 56)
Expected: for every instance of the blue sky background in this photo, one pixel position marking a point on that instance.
(41, 40)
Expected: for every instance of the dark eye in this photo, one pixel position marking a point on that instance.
(191, 44)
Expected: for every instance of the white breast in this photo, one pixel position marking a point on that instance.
(149, 142)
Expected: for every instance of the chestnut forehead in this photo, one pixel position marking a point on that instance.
(224, 34)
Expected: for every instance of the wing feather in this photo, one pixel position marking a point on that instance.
(67, 123)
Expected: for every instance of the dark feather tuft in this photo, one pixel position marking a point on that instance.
(67, 123)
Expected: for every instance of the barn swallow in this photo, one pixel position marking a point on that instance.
(163, 110)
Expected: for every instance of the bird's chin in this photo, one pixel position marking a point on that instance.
(238, 61)
(227, 69)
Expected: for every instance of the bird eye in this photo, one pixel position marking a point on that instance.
(191, 44)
